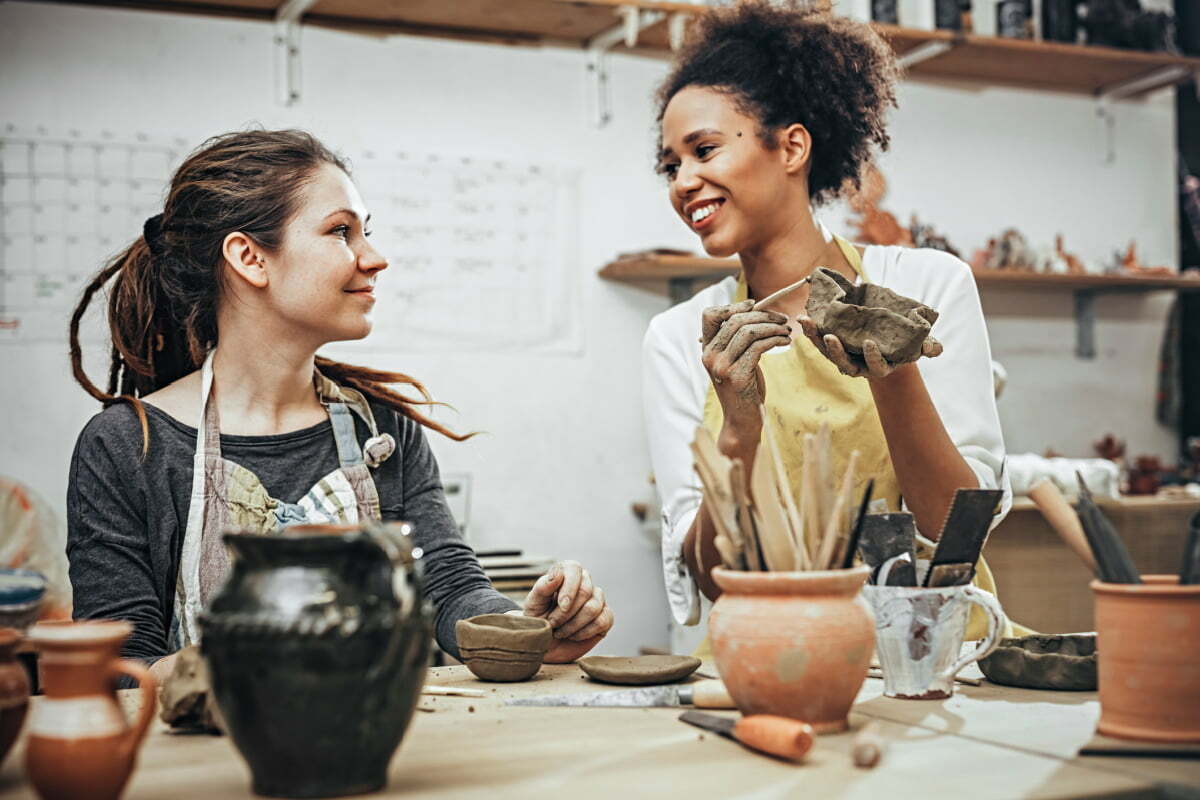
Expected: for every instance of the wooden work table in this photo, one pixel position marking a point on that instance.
(985, 742)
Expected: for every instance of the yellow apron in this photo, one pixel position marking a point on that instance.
(804, 390)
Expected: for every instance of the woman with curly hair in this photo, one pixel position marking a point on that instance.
(768, 111)
(220, 415)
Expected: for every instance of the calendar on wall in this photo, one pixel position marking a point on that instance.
(481, 252)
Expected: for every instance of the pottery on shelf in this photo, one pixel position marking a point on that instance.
(503, 647)
(21, 594)
(1148, 649)
(79, 743)
(795, 644)
(317, 647)
(1064, 662)
(14, 690)
(857, 313)
(639, 670)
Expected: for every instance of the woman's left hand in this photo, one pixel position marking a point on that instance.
(871, 364)
(575, 607)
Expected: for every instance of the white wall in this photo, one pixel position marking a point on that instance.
(565, 456)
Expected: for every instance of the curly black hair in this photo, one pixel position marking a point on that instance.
(786, 64)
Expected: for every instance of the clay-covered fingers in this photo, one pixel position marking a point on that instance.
(877, 365)
(588, 613)
(595, 629)
(542, 598)
(715, 316)
(836, 352)
(569, 605)
(809, 327)
(931, 347)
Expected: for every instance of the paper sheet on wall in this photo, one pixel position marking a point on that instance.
(481, 252)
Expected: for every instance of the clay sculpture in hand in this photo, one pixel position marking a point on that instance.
(858, 313)
(503, 647)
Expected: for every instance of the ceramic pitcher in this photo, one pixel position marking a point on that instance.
(919, 636)
(80, 743)
(14, 690)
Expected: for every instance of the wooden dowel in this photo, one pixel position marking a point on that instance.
(773, 296)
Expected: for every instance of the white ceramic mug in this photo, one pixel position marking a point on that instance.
(919, 635)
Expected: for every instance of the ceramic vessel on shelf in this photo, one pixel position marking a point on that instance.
(79, 742)
(796, 644)
(21, 594)
(317, 647)
(14, 690)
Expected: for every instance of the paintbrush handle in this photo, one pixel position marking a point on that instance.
(777, 736)
(1063, 519)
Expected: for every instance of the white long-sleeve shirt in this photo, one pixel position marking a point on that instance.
(675, 384)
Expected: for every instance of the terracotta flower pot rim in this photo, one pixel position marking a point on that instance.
(79, 632)
(1154, 586)
(814, 582)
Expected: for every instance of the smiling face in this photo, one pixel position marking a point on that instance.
(321, 279)
(726, 185)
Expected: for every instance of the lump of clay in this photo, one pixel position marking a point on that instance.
(503, 647)
(1064, 662)
(855, 314)
(639, 670)
(186, 696)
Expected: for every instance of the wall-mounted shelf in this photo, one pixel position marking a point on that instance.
(679, 277)
(981, 60)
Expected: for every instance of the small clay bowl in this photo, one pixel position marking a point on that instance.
(21, 593)
(1063, 662)
(503, 647)
(639, 670)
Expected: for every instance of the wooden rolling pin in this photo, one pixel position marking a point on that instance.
(1062, 518)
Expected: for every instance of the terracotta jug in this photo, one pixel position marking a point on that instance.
(1148, 649)
(79, 742)
(14, 690)
(796, 644)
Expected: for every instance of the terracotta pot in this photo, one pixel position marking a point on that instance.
(317, 647)
(1148, 649)
(796, 644)
(79, 742)
(14, 690)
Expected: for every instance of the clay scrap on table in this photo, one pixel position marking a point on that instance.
(186, 696)
(639, 670)
(503, 647)
(1062, 662)
(858, 313)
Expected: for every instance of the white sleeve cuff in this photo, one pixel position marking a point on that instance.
(683, 595)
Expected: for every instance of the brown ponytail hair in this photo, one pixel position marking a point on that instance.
(162, 307)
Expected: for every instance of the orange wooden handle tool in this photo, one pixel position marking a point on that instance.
(778, 736)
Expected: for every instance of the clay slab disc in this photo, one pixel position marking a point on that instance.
(639, 670)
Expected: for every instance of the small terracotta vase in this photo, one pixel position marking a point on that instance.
(1148, 648)
(79, 742)
(796, 644)
(14, 690)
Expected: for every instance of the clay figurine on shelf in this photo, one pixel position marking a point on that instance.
(858, 313)
(926, 236)
(503, 647)
(875, 226)
(1008, 251)
(1074, 265)
(1129, 263)
(1110, 447)
(1146, 475)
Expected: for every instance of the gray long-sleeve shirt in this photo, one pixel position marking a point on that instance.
(126, 515)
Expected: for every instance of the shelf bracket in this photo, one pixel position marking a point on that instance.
(287, 50)
(1085, 323)
(923, 52)
(1158, 79)
(633, 21)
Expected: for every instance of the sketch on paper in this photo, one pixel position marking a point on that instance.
(481, 252)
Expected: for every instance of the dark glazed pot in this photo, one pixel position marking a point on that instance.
(317, 646)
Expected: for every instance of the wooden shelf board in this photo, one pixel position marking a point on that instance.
(1125, 503)
(653, 272)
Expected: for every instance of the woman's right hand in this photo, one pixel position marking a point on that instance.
(734, 339)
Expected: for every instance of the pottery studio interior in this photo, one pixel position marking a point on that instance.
(613, 398)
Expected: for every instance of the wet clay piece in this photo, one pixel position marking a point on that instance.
(639, 670)
(858, 313)
(1066, 662)
(503, 647)
(186, 696)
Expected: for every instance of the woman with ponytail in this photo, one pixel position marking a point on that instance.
(219, 414)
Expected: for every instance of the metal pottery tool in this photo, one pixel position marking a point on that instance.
(963, 535)
(1113, 564)
(1189, 573)
(898, 571)
(885, 536)
(701, 694)
(776, 736)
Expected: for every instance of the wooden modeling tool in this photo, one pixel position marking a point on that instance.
(771, 521)
(783, 488)
(1063, 519)
(835, 525)
(776, 736)
(964, 533)
(773, 296)
(1113, 564)
(856, 532)
(869, 745)
(451, 691)
(1189, 573)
